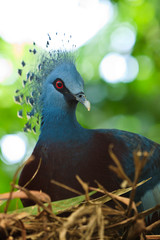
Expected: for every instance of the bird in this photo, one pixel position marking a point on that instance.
(64, 148)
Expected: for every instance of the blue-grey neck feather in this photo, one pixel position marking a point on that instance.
(59, 126)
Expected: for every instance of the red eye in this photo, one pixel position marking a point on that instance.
(59, 84)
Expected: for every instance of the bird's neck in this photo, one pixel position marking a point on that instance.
(60, 125)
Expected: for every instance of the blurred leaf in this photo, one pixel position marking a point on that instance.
(58, 206)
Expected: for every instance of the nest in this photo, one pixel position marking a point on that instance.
(82, 217)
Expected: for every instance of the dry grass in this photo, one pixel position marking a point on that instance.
(91, 219)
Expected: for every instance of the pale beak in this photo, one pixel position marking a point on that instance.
(80, 97)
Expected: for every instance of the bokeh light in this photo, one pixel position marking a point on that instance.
(132, 68)
(116, 68)
(113, 67)
(123, 38)
(13, 148)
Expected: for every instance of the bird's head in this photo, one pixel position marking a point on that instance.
(53, 84)
(63, 88)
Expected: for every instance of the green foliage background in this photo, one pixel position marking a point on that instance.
(133, 106)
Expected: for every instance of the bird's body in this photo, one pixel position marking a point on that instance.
(90, 160)
(66, 149)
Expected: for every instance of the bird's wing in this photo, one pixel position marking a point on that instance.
(149, 193)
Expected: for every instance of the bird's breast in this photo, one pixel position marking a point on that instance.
(86, 156)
